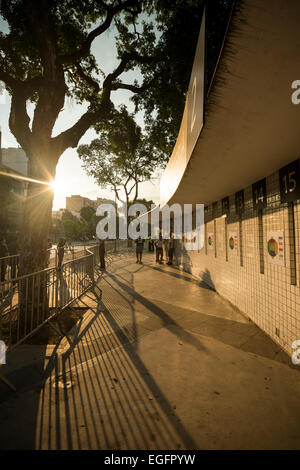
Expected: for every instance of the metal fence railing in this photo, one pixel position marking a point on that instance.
(9, 267)
(27, 302)
(111, 247)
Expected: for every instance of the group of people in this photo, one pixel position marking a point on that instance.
(160, 245)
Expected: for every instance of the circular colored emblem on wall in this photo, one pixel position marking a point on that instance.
(231, 243)
(210, 242)
(272, 247)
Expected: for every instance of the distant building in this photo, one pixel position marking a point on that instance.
(13, 165)
(12, 196)
(15, 158)
(77, 202)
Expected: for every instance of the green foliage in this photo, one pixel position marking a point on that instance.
(121, 157)
(67, 29)
(66, 22)
(89, 217)
(47, 55)
(178, 23)
(70, 227)
(143, 201)
(48, 46)
(87, 213)
(67, 215)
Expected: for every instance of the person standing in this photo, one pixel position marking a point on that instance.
(159, 250)
(14, 251)
(49, 246)
(150, 244)
(102, 254)
(139, 242)
(166, 244)
(60, 252)
(3, 262)
(171, 249)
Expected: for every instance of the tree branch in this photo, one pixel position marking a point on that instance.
(111, 13)
(71, 136)
(134, 88)
(127, 57)
(19, 120)
(88, 79)
(30, 86)
(8, 79)
(136, 190)
(131, 188)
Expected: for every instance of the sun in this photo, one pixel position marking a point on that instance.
(56, 186)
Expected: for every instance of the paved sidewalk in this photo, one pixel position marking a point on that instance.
(162, 362)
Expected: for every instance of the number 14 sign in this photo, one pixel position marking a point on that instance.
(289, 177)
(259, 194)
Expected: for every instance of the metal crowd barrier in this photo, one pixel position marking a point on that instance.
(9, 267)
(28, 302)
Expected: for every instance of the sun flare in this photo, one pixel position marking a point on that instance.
(56, 186)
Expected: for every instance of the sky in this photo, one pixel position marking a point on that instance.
(70, 176)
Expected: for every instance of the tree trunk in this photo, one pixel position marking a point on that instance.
(37, 209)
(136, 191)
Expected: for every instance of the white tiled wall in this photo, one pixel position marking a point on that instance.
(268, 298)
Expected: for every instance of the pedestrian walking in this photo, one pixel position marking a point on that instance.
(139, 242)
(102, 254)
(159, 250)
(3, 262)
(60, 252)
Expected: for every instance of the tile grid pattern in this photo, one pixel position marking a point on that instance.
(267, 292)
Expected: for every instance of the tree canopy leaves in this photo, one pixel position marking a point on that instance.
(121, 157)
(178, 23)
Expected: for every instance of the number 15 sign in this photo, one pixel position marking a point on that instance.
(289, 177)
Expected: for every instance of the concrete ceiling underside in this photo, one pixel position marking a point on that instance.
(252, 128)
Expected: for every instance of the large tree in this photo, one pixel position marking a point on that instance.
(45, 56)
(121, 157)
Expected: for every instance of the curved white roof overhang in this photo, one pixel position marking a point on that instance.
(251, 128)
